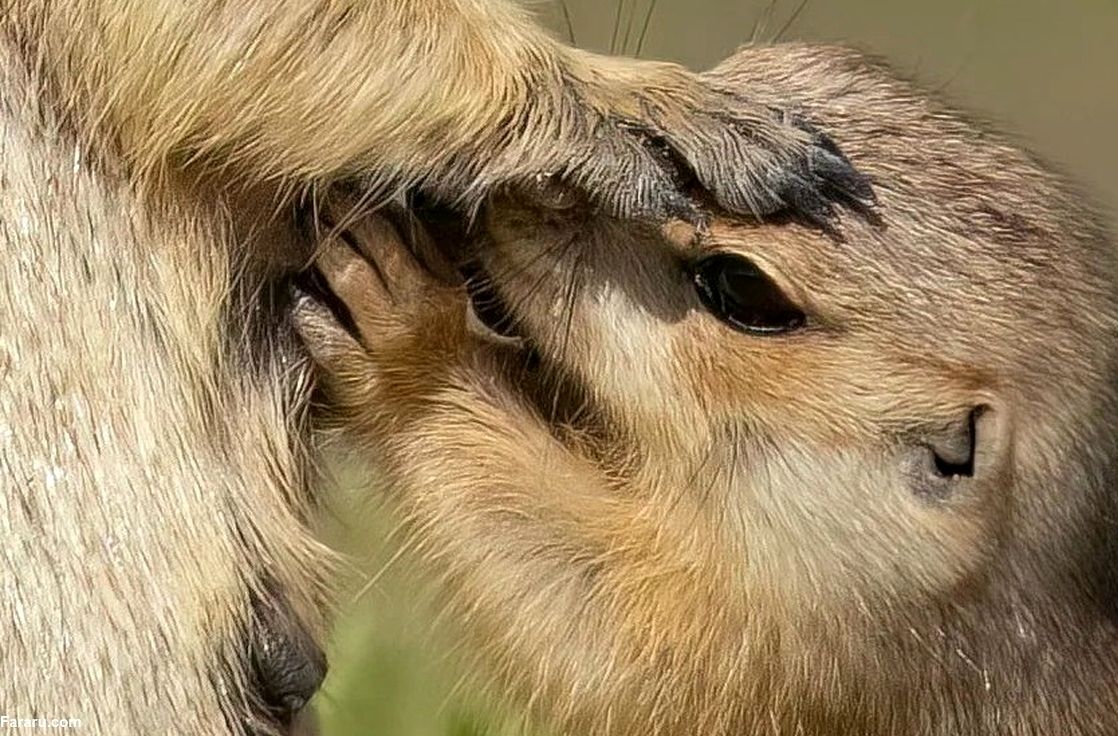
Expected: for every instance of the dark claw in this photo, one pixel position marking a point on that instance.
(808, 187)
(661, 168)
(830, 178)
(806, 200)
(836, 171)
(821, 139)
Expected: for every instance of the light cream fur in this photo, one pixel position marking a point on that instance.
(147, 477)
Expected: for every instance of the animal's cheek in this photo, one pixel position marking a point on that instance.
(822, 502)
(837, 525)
(749, 376)
(629, 358)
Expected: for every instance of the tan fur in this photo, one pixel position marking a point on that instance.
(150, 403)
(147, 473)
(667, 527)
(453, 95)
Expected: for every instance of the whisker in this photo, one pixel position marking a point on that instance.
(574, 286)
(558, 258)
(407, 545)
(629, 26)
(555, 252)
(644, 27)
(567, 19)
(762, 22)
(792, 19)
(616, 27)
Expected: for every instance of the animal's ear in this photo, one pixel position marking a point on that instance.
(961, 456)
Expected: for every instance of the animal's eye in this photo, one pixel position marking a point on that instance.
(735, 291)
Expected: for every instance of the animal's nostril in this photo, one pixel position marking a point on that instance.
(287, 663)
(948, 469)
(938, 462)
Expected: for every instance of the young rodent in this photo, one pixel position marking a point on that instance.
(755, 480)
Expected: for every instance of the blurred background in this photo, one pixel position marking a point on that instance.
(1044, 69)
(1041, 69)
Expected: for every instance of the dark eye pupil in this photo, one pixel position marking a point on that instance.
(735, 291)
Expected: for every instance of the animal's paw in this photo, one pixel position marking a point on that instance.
(641, 135)
(370, 299)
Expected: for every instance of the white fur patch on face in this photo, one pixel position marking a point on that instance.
(840, 523)
(630, 359)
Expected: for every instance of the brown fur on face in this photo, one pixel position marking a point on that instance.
(656, 524)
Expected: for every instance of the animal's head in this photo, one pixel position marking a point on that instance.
(891, 416)
(763, 466)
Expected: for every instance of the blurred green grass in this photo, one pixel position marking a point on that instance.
(387, 678)
(392, 669)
